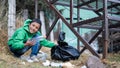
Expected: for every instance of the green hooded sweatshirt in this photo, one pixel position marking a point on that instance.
(22, 34)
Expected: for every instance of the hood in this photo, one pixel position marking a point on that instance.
(27, 22)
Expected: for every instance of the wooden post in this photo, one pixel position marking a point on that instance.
(71, 11)
(11, 17)
(78, 29)
(106, 31)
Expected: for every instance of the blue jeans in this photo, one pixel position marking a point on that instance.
(35, 49)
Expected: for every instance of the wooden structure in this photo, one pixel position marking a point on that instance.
(107, 14)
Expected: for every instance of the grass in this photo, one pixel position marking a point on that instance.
(8, 61)
(114, 57)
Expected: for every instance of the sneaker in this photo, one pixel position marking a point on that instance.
(34, 58)
(29, 60)
(23, 57)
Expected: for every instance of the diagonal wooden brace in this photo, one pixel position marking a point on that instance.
(72, 29)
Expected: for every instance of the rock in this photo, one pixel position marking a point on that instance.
(94, 62)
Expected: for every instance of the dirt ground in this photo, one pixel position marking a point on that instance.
(8, 61)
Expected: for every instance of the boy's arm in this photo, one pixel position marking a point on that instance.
(18, 41)
(47, 43)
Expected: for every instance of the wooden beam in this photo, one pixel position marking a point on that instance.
(116, 13)
(114, 1)
(92, 39)
(52, 26)
(90, 27)
(112, 28)
(115, 18)
(111, 6)
(87, 21)
(73, 18)
(85, 3)
(53, 1)
(91, 7)
(74, 5)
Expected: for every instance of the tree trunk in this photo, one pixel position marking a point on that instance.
(43, 29)
(11, 17)
(51, 34)
(25, 14)
(36, 8)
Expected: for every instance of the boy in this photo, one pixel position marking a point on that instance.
(26, 37)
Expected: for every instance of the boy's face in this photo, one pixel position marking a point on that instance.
(34, 27)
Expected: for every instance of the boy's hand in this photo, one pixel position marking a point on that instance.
(45, 36)
(30, 43)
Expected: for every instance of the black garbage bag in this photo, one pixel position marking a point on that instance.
(63, 51)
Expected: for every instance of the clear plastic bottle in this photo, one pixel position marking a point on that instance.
(37, 39)
(42, 56)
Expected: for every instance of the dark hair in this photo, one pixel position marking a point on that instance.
(37, 21)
